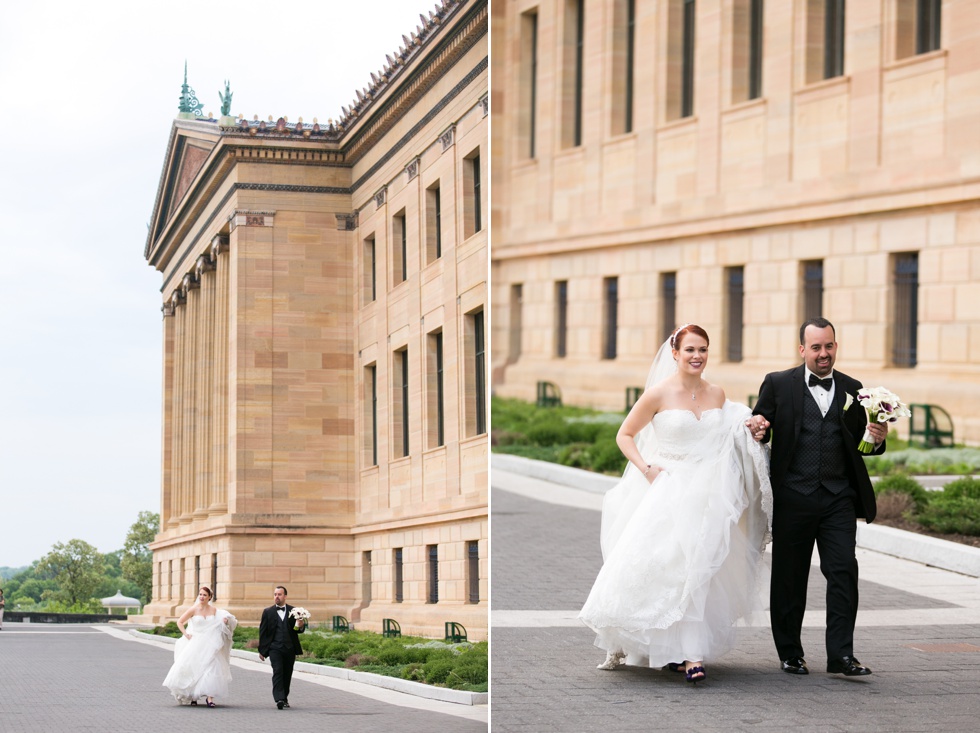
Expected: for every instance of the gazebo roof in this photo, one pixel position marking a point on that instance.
(120, 601)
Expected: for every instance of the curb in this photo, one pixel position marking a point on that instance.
(900, 543)
(418, 689)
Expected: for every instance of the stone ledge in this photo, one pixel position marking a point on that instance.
(419, 689)
(932, 551)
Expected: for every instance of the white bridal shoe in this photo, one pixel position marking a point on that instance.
(613, 660)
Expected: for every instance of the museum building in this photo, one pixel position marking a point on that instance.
(324, 339)
(743, 165)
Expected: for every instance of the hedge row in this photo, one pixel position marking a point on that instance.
(954, 510)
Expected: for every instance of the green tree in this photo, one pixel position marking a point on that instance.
(137, 558)
(77, 567)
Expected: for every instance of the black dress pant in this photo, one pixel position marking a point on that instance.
(282, 672)
(829, 520)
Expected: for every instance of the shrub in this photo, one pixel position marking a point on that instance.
(955, 510)
(900, 483)
(437, 670)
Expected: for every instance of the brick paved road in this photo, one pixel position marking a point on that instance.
(545, 557)
(56, 679)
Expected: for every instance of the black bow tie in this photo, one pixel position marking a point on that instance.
(825, 383)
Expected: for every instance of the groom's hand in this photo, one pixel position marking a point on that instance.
(261, 658)
(757, 425)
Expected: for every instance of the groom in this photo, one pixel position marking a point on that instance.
(820, 487)
(279, 641)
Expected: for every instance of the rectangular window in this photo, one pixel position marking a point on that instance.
(371, 414)
(516, 322)
(197, 573)
(433, 223)
(473, 570)
(746, 50)
(528, 83)
(833, 39)
(928, 24)
(812, 290)
(481, 376)
(366, 578)
(397, 579)
(561, 319)
(214, 575)
(369, 282)
(680, 58)
(824, 53)
(435, 397)
(433, 566)
(472, 192)
(668, 303)
(399, 248)
(735, 299)
(687, 88)
(399, 407)
(623, 59)
(474, 374)
(610, 316)
(573, 43)
(905, 318)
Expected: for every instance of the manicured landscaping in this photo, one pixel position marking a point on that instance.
(461, 666)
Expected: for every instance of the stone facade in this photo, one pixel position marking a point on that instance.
(817, 169)
(298, 271)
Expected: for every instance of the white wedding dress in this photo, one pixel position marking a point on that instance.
(201, 664)
(682, 556)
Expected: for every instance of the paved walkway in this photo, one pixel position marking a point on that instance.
(56, 679)
(918, 629)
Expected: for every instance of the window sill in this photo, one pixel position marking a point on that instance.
(823, 89)
(922, 63)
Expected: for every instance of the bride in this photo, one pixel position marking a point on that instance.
(201, 656)
(684, 531)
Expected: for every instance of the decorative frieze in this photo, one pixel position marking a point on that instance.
(448, 138)
(380, 197)
(251, 219)
(346, 222)
(485, 104)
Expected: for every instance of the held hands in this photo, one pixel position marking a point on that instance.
(757, 426)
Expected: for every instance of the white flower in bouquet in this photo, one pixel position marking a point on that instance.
(300, 614)
(881, 405)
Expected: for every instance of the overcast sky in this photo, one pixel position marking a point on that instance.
(88, 93)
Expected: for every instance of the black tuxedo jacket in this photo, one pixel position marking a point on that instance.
(267, 630)
(781, 403)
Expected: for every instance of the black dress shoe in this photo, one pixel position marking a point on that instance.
(794, 665)
(280, 704)
(285, 703)
(847, 666)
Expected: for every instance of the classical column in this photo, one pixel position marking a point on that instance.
(177, 408)
(192, 344)
(167, 447)
(203, 271)
(219, 423)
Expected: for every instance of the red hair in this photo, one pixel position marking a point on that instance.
(680, 333)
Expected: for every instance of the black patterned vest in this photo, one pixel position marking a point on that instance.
(819, 456)
(281, 640)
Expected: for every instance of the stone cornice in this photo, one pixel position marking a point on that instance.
(233, 145)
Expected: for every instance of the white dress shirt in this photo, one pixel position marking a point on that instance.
(823, 397)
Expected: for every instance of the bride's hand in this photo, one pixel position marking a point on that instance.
(187, 636)
(651, 472)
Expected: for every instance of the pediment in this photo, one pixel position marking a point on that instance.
(187, 152)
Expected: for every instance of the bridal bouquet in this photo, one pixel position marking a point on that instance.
(881, 406)
(300, 614)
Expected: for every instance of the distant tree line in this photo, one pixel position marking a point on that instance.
(74, 576)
